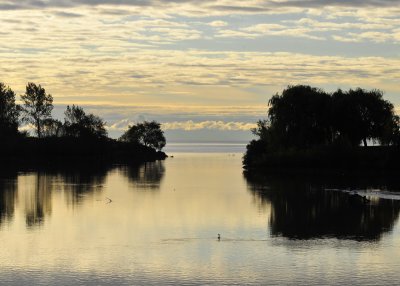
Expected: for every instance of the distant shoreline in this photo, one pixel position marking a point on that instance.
(70, 151)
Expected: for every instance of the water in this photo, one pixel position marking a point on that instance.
(233, 147)
(157, 224)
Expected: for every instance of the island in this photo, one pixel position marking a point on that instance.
(310, 129)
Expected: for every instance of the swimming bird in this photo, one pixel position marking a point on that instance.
(219, 237)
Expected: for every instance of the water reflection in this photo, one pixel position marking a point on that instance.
(78, 184)
(148, 176)
(314, 207)
(37, 198)
(35, 189)
(8, 197)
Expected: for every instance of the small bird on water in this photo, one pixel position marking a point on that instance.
(219, 237)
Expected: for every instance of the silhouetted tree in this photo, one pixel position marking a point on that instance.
(9, 112)
(37, 106)
(300, 117)
(362, 115)
(262, 130)
(79, 124)
(303, 120)
(146, 133)
(305, 117)
(52, 128)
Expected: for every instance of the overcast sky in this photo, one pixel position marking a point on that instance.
(205, 66)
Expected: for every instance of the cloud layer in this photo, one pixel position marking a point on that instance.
(190, 125)
(235, 5)
(196, 58)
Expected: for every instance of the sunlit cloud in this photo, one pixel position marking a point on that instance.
(189, 125)
(124, 59)
(218, 125)
(138, 73)
(218, 24)
(378, 37)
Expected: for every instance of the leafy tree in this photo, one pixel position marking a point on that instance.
(362, 115)
(9, 111)
(146, 133)
(306, 117)
(262, 129)
(79, 124)
(37, 106)
(300, 117)
(52, 128)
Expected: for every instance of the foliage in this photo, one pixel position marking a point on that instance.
(262, 129)
(300, 117)
(146, 133)
(362, 115)
(79, 124)
(9, 112)
(52, 128)
(37, 106)
(306, 117)
(82, 137)
(305, 123)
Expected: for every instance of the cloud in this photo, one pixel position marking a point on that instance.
(219, 6)
(157, 23)
(308, 28)
(67, 14)
(130, 75)
(260, 30)
(377, 37)
(218, 24)
(150, 57)
(190, 125)
(234, 5)
(216, 125)
(339, 3)
(319, 25)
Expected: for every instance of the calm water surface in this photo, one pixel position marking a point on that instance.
(158, 224)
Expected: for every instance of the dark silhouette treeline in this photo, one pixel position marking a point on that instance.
(81, 136)
(310, 128)
(310, 207)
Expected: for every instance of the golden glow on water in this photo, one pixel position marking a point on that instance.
(182, 204)
(161, 226)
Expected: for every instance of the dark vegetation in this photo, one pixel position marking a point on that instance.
(81, 137)
(309, 128)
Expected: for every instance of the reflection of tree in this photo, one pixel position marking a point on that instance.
(38, 199)
(8, 195)
(81, 182)
(302, 208)
(35, 189)
(146, 176)
(76, 184)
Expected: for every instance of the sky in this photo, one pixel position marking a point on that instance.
(204, 69)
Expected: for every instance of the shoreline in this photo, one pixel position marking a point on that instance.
(371, 159)
(74, 151)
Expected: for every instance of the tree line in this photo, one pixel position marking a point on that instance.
(304, 116)
(36, 109)
(308, 118)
